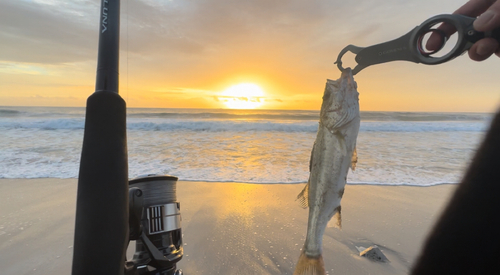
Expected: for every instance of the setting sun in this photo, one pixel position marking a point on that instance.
(243, 96)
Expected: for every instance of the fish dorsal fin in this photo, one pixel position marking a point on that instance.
(303, 197)
(354, 159)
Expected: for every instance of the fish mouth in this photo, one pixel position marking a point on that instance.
(347, 73)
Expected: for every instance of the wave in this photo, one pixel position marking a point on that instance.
(403, 183)
(348, 183)
(308, 115)
(419, 126)
(421, 116)
(9, 113)
(245, 125)
(225, 114)
(74, 176)
(312, 127)
(46, 124)
(223, 126)
(42, 112)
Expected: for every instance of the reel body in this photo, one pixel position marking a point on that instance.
(155, 225)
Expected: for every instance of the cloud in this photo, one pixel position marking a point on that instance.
(181, 91)
(52, 31)
(287, 47)
(274, 100)
(40, 33)
(41, 100)
(239, 98)
(16, 68)
(55, 31)
(195, 35)
(218, 27)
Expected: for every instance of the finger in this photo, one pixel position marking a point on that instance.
(474, 8)
(497, 53)
(490, 19)
(483, 49)
(435, 41)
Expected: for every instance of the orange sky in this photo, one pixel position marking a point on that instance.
(184, 54)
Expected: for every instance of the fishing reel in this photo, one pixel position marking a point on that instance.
(155, 225)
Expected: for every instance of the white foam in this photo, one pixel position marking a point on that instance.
(420, 153)
(158, 124)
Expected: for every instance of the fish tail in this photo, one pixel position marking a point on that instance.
(310, 265)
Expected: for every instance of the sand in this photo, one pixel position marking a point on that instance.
(230, 228)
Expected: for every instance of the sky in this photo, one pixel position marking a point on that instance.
(188, 53)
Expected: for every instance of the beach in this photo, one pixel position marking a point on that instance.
(230, 228)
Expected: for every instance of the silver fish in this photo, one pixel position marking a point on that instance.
(334, 151)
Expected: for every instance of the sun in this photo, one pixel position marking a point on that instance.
(243, 96)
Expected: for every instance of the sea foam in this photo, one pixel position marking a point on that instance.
(257, 146)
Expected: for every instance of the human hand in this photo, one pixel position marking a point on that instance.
(488, 20)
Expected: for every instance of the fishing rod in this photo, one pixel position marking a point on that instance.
(109, 213)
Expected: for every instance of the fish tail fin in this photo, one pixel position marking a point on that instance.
(336, 220)
(303, 197)
(310, 265)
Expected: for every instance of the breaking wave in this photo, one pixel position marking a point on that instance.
(244, 125)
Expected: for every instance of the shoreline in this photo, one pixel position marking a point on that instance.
(270, 183)
(231, 228)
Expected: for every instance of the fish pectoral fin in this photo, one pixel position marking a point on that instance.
(303, 197)
(354, 159)
(310, 265)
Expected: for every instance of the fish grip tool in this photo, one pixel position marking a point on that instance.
(410, 47)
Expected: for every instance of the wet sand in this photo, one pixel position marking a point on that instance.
(230, 228)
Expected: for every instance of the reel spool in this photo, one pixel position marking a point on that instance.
(155, 224)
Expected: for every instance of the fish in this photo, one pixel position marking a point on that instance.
(334, 151)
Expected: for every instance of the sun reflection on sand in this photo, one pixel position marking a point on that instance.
(244, 201)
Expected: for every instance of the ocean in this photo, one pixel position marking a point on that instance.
(249, 146)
